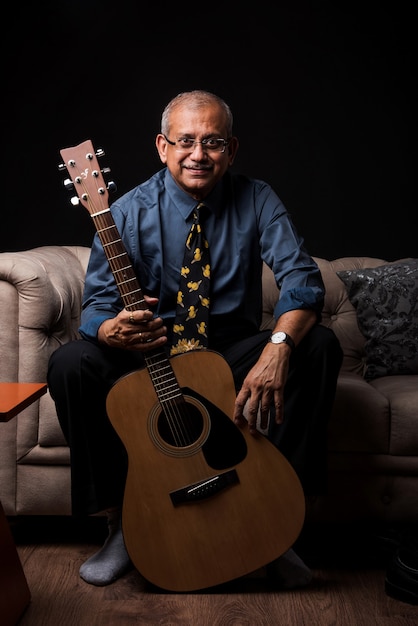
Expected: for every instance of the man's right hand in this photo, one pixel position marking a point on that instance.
(134, 330)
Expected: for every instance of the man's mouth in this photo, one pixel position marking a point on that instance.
(197, 168)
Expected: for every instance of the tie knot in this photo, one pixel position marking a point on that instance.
(200, 213)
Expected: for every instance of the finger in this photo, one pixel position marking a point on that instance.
(278, 409)
(252, 418)
(143, 316)
(240, 402)
(264, 416)
(143, 337)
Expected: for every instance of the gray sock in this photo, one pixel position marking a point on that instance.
(112, 560)
(289, 571)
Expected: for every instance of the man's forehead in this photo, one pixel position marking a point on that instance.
(189, 119)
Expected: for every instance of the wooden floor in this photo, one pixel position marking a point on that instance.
(348, 587)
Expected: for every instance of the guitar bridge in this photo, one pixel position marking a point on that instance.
(205, 488)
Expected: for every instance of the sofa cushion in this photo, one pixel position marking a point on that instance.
(360, 420)
(386, 303)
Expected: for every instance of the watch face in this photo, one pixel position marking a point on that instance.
(279, 337)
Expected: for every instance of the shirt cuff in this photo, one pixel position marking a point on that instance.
(90, 329)
(301, 298)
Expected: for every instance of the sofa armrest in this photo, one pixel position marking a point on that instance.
(40, 303)
(40, 292)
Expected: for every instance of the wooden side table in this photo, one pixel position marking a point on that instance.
(14, 397)
(14, 590)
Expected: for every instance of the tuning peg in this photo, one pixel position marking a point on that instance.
(75, 201)
(68, 184)
(100, 152)
(111, 186)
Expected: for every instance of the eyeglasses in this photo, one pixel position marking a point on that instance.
(185, 144)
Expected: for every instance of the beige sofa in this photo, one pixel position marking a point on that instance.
(373, 432)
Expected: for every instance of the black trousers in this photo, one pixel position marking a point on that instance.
(81, 374)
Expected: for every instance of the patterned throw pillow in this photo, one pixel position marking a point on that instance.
(386, 303)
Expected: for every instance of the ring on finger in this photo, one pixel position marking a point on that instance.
(131, 318)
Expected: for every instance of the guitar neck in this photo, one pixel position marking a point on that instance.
(157, 363)
(119, 261)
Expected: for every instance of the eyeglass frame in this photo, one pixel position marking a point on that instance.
(203, 143)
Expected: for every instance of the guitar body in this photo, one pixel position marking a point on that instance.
(209, 511)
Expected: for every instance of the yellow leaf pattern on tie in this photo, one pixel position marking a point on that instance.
(193, 286)
(192, 313)
(185, 345)
(204, 301)
(197, 255)
(193, 294)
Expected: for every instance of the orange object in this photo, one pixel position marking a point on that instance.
(15, 594)
(14, 397)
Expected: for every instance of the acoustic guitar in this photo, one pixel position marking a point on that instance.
(205, 502)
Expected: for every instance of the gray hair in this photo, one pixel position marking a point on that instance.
(195, 99)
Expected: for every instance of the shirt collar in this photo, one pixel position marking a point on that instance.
(185, 203)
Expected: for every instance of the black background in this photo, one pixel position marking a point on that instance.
(323, 96)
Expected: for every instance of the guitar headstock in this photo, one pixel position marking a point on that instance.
(86, 176)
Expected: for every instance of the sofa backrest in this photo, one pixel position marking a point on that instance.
(35, 284)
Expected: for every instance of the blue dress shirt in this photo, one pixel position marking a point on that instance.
(247, 224)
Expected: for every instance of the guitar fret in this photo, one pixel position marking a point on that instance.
(125, 282)
(157, 371)
(166, 383)
(129, 294)
(112, 258)
(110, 227)
(98, 213)
(110, 243)
(124, 268)
(165, 377)
(166, 397)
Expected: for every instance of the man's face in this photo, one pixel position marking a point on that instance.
(197, 170)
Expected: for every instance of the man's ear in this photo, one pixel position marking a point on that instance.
(161, 145)
(232, 149)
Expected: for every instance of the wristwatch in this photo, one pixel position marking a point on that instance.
(281, 337)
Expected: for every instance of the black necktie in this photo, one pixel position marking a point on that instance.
(190, 330)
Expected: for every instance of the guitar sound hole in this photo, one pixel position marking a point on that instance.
(193, 423)
(181, 426)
